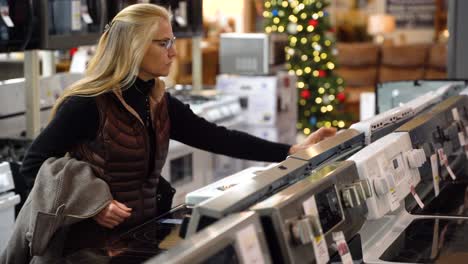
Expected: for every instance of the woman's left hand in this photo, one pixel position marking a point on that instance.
(315, 137)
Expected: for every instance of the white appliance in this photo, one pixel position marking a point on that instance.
(244, 53)
(219, 187)
(188, 168)
(251, 53)
(268, 100)
(8, 200)
(377, 126)
(12, 101)
(390, 164)
(270, 104)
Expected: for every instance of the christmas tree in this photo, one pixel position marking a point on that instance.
(310, 55)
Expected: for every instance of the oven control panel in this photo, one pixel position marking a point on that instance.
(391, 167)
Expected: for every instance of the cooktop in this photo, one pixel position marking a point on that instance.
(140, 243)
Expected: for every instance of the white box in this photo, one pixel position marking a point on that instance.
(268, 100)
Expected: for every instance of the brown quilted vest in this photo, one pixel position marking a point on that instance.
(120, 152)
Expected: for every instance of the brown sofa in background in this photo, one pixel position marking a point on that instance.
(363, 65)
(358, 66)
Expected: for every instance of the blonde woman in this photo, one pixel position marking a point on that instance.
(119, 119)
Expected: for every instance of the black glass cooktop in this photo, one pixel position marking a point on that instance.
(138, 244)
(451, 201)
(431, 241)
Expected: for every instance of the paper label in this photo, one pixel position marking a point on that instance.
(5, 13)
(310, 206)
(461, 138)
(85, 15)
(320, 249)
(455, 114)
(442, 158)
(249, 245)
(435, 174)
(416, 197)
(450, 171)
(393, 199)
(75, 15)
(319, 243)
(342, 247)
(444, 161)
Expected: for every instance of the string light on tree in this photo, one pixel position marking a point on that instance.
(310, 56)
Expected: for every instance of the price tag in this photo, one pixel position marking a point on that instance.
(320, 249)
(455, 114)
(393, 199)
(319, 242)
(462, 139)
(435, 174)
(249, 245)
(416, 197)
(310, 206)
(75, 15)
(342, 247)
(85, 15)
(5, 13)
(444, 161)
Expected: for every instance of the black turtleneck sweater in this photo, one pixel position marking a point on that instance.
(77, 121)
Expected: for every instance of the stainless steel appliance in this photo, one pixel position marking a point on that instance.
(238, 238)
(251, 53)
(329, 200)
(246, 194)
(407, 221)
(443, 129)
(17, 25)
(217, 188)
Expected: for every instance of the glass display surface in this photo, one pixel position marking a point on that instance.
(430, 241)
(329, 208)
(451, 201)
(227, 255)
(138, 244)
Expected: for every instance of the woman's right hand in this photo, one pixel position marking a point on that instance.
(113, 214)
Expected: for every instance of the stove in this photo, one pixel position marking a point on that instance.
(138, 244)
(441, 129)
(416, 239)
(237, 238)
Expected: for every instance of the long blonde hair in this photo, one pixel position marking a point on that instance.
(119, 52)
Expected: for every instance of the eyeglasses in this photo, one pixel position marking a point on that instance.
(166, 43)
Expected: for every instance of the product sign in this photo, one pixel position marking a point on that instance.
(5, 13)
(412, 13)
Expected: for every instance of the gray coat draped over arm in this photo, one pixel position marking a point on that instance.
(65, 192)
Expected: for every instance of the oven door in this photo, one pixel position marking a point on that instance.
(187, 169)
(70, 23)
(16, 25)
